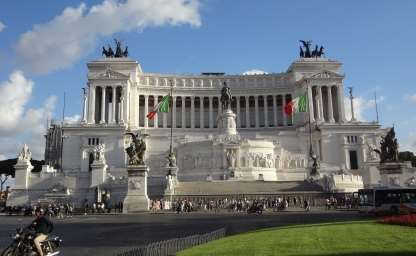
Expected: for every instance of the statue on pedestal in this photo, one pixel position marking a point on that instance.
(231, 158)
(99, 152)
(25, 154)
(226, 97)
(315, 165)
(136, 149)
(172, 160)
(389, 148)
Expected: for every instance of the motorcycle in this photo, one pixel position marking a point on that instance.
(23, 244)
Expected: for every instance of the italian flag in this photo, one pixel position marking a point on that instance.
(162, 106)
(298, 104)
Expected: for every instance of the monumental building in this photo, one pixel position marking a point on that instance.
(266, 152)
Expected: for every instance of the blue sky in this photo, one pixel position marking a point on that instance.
(374, 39)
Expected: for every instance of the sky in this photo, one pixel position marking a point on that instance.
(45, 45)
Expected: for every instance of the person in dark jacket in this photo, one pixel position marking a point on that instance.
(42, 227)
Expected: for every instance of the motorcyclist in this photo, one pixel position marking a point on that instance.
(42, 227)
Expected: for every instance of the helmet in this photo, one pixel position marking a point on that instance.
(40, 210)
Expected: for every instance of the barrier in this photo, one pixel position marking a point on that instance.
(172, 246)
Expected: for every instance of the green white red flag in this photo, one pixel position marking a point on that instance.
(298, 104)
(162, 106)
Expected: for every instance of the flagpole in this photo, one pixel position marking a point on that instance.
(171, 117)
(309, 121)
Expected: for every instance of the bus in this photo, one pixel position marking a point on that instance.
(387, 200)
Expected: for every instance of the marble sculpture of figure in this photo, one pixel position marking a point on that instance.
(136, 149)
(25, 153)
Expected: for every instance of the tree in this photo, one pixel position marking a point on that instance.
(3, 179)
(408, 156)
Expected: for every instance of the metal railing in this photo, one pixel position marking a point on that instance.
(172, 246)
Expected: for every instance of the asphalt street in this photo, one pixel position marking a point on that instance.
(109, 234)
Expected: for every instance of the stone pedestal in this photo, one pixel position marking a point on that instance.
(226, 123)
(392, 174)
(171, 180)
(136, 199)
(98, 173)
(22, 174)
(20, 194)
(371, 174)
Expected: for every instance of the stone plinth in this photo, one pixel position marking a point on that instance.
(371, 173)
(98, 173)
(136, 199)
(226, 123)
(392, 168)
(171, 180)
(392, 174)
(22, 174)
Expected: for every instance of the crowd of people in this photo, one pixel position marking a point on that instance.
(102, 207)
(189, 204)
(243, 204)
(56, 210)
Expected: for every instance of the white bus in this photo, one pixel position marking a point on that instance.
(387, 200)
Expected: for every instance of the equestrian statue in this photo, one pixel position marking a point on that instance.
(226, 97)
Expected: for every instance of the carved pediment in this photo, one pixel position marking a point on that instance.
(326, 74)
(110, 74)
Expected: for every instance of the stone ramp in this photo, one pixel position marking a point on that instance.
(204, 188)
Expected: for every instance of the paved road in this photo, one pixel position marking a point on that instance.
(105, 235)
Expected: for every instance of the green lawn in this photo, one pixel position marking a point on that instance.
(343, 238)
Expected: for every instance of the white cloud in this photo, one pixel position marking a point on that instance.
(361, 105)
(72, 119)
(2, 26)
(19, 124)
(254, 72)
(2, 157)
(410, 97)
(409, 143)
(73, 34)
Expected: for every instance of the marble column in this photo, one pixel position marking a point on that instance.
(146, 110)
(266, 117)
(192, 112)
(156, 118)
(102, 121)
(211, 121)
(256, 109)
(84, 108)
(274, 111)
(330, 107)
(201, 112)
(91, 104)
(174, 112)
(247, 111)
(283, 106)
(219, 108)
(310, 103)
(121, 110)
(340, 98)
(321, 105)
(238, 112)
(183, 112)
(113, 115)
